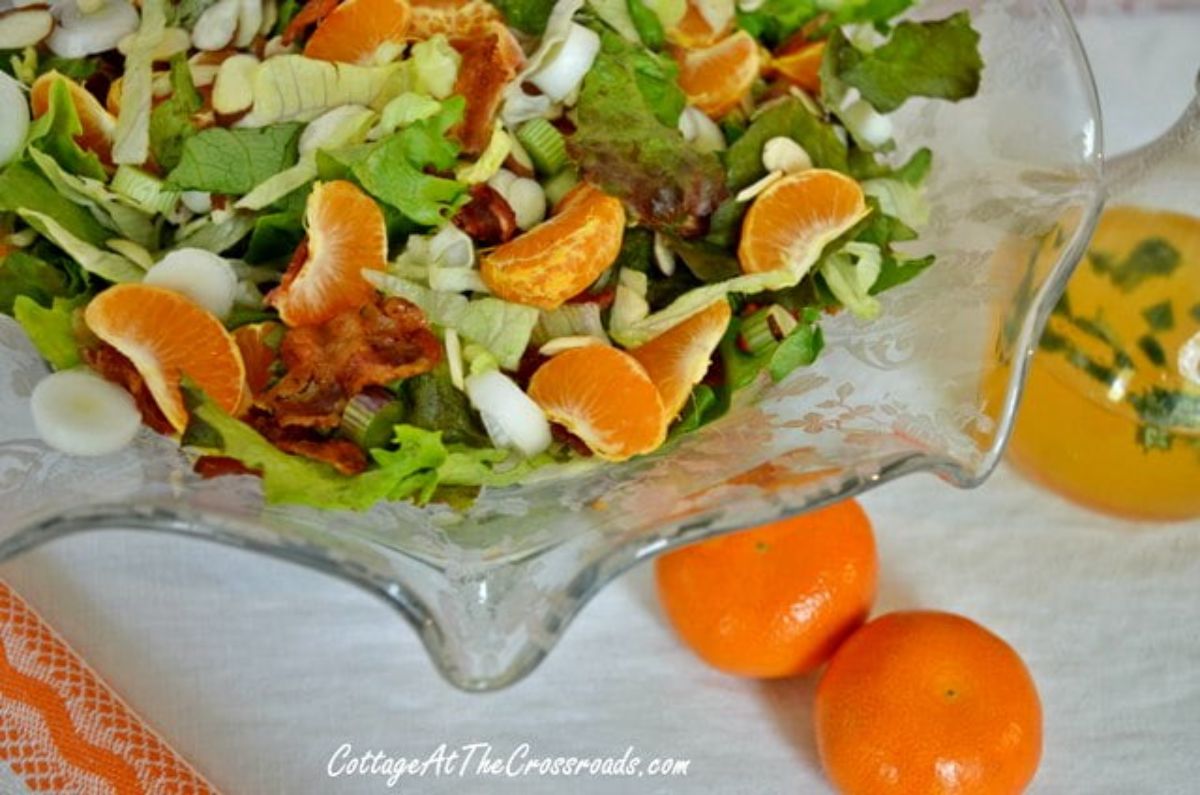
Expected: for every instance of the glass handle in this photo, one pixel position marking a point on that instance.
(1165, 173)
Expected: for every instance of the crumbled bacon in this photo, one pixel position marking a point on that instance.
(487, 218)
(311, 13)
(342, 454)
(115, 367)
(215, 466)
(489, 63)
(329, 364)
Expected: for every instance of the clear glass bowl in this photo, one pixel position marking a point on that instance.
(1016, 190)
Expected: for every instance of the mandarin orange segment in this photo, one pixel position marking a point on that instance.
(693, 29)
(924, 701)
(678, 359)
(802, 67)
(167, 336)
(790, 222)
(98, 124)
(259, 346)
(346, 236)
(776, 600)
(717, 78)
(603, 396)
(559, 258)
(361, 32)
(456, 19)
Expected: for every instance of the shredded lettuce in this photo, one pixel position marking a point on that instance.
(171, 120)
(109, 208)
(105, 264)
(22, 187)
(408, 471)
(404, 110)
(294, 88)
(131, 142)
(616, 14)
(490, 161)
(434, 66)
(216, 235)
(51, 329)
(346, 125)
(518, 105)
(219, 160)
(851, 273)
(900, 199)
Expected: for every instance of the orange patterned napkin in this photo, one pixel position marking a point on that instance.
(63, 730)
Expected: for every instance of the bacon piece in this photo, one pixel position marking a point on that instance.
(489, 63)
(487, 218)
(115, 367)
(310, 14)
(215, 466)
(329, 364)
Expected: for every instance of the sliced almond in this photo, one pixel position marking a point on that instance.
(215, 28)
(783, 154)
(752, 191)
(560, 344)
(233, 89)
(24, 27)
(172, 42)
(250, 19)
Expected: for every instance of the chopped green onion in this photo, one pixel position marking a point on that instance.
(765, 328)
(545, 145)
(145, 190)
(370, 419)
(560, 185)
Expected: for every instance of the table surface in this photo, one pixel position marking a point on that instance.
(258, 671)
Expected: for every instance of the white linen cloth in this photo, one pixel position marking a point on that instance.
(258, 671)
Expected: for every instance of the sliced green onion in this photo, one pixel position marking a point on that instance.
(545, 146)
(560, 185)
(145, 190)
(370, 418)
(765, 328)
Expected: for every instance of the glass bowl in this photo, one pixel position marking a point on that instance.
(1015, 192)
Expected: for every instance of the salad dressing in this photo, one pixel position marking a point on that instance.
(1111, 413)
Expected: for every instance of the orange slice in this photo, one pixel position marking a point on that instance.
(361, 32)
(559, 258)
(678, 359)
(791, 221)
(346, 235)
(802, 67)
(604, 397)
(717, 78)
(167, 336)
(693, 29)
(98, 124)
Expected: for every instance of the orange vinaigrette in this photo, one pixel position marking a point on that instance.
(1111, 412)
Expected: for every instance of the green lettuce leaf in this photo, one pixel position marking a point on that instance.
(106, 264)
(77, 69)
(627, 143)
(436, 404)
(408, 471)
(219, 160)
(788, 119)
(468, 466)
(112, 210)
(131, 140)
(22, 187)
(393, 169)
(22, 274)
(776, 20)
(850, 274)
(171, 121)
(51, 329)
(921, 59)
(54, 133)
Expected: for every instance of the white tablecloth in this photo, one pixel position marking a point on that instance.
(258, 671)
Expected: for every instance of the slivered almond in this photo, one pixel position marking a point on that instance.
(24, 27)
(233, 89)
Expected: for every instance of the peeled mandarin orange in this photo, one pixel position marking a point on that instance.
(678, 359)
(346, 235)
(456, 19)
(717, 78)
(791, 221)
(603, 396)
(776, 600)
(361, 32)
(559, 258)
(259, 346)
(920, 702)
(802, 67)
(167, 336)
(693, 30)
(98, 124)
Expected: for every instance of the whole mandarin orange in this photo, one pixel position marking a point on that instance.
(776, 600)
(927, 702)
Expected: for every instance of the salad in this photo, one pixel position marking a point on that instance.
(378, 250)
